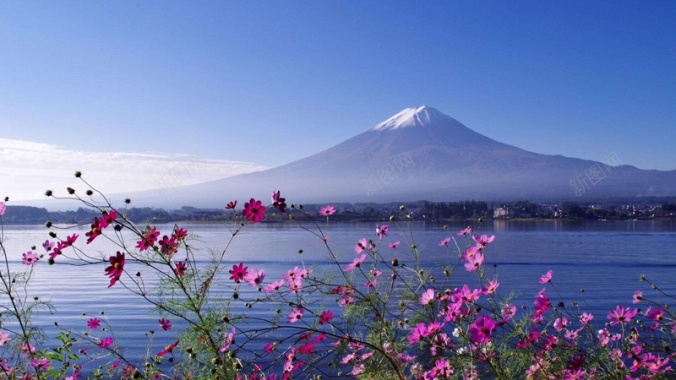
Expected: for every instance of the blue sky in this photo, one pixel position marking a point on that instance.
(270, 82)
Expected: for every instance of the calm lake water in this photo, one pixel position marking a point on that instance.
(606, 259)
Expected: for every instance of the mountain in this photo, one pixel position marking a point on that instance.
(420, 153)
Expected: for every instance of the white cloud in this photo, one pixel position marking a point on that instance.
(29, 168)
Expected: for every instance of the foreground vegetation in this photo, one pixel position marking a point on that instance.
(383, 315)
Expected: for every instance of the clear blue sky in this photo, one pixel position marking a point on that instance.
(268, 82)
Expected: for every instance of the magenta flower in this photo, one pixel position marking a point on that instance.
(621, 315)
(94, 232)
(106, 342)
(394, 245)
(483, 240)
(327, 210)
(238, 272)
(355, 263)
(475, 262)
(70, 240)
(93, 323)
(116, 268)
(231, 205)
(48, 245)
(254, 211)
(278, 202)
(466, 231)
(168, 349)
(229, 340)
(4, 338)
(585, 318)
(481, 330)
(255, 278)
(107, 218)
(165, 324)
(508, 312)
(180, 269)
(29, 258)
(427, 298)
(325, 317)
(362, 244)
(382, 231)
(40, 364)
(491, 287)
(295, 315)
(273, 286)
(547, 277)
(638, 296)
(148, 239)
(445, 242)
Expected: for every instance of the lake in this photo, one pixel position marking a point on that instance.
(606, 259)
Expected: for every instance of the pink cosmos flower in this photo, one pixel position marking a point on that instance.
(655, 313)
(465, 294)
(560, 324)
(418, 332)
(508, 312)
(107, 218)
(355, 263)
(229, 340)
(273, 286)
(93, 323)
(445, 242)
(254, 211)
(269, 347)
(116, 268)
(621, 315)
(40, 364)
(48, 245)
(547, 277)
(278, 202)
(362, 244)
(394, 245)
(70, 240)
(327, 210)
(148, 239)
(466, 231)
(585, 318)
(481, 330)
(167, 349)
(491, 287)
(231, 205)
(94, 232)
(483, 240)
(295, 315)
(3, 208)
(427, 298)
(106, 342)
(382, 231)
(638, 296)
(255, 278)
(475, 262)
(542, 304)
(180, 269)
(238, 272)
(29, 258)
(4, 338)
(165, 324)
(168, 245)
(325, 317)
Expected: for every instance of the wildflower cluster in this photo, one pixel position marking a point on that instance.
(379, 313)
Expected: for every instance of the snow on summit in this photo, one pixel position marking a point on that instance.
(409, 117)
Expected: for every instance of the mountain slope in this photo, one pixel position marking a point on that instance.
(420, 153)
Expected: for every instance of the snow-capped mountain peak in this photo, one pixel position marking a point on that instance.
(410, 117)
